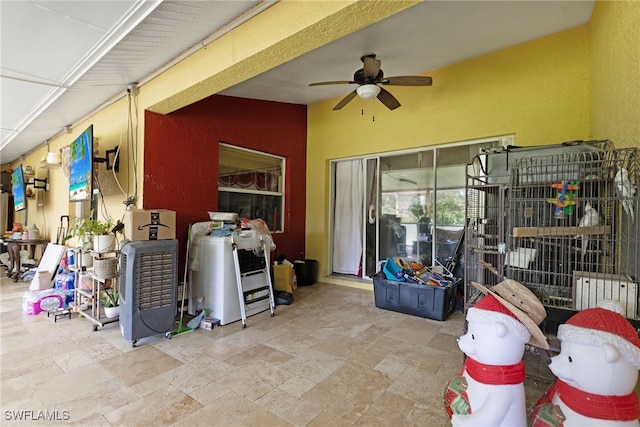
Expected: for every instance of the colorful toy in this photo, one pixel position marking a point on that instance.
(490, 389)
(597, 371)
(567, 197)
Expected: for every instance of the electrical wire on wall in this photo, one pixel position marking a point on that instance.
(129, 134)
(133, 129)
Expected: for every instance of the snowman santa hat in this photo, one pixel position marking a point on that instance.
(604, 324)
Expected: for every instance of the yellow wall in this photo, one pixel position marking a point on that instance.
(615, 72)
(538, 91)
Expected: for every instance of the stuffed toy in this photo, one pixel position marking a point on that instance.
(596, 370)
(490, 389)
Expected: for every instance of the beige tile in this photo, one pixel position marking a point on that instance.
(254, 379)
(413, 330)
(75, 384)
(257, 352)
(98, 348)
(14, 366)
(372, 333)
(388, 410)
(330, 359)
(198, 373)
(327, 419)
(232, 410)
(293, 343)
(14, 391)
(297, 385)
(426, 414)
(313, 365)
(443, 342)
(418, 385)
(297, 411)
(149, 386)
(209, 393)
(349, 391)
(164, 407)
(139, 365)
(391, 366)
(72, 359)
(421, 356)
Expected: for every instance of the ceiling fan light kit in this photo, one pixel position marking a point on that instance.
(368, 91)
(369, 77)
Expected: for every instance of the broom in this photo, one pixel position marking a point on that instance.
(180, 329)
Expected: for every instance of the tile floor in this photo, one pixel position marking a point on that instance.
(329, 359)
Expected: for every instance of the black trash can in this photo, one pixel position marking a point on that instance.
(306, 271)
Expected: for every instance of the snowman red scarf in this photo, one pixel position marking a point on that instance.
(616, 408)
(491, 374)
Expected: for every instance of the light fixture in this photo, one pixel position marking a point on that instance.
(368, 91)
(67, 129)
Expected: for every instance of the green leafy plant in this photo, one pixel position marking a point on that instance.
(110, 297)
(85, 228)
(417, 211)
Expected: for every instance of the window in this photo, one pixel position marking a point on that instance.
(251, 184)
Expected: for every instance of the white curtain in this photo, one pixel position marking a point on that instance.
(347, 236)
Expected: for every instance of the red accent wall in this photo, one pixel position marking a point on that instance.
(181, 160)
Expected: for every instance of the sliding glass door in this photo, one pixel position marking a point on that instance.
(409, 204)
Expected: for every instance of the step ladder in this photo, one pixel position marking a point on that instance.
(252, 276)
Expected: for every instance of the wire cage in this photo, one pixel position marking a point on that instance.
(484, 232)
(571, 231)
(564, 224)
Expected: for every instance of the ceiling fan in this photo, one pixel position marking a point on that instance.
(368, 80)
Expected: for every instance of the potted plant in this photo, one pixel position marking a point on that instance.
(104, 240)
(88, 230)
(110, 302)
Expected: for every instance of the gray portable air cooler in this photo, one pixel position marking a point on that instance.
(148, 287)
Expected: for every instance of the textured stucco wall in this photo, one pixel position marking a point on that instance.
(537, 90)
(615, 72)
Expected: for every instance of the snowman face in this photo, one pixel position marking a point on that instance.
(491, 343)
(594, 369)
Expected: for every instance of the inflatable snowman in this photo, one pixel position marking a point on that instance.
(596, 370)
(490, 389)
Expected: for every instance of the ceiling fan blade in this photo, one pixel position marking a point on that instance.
(345, 101)
(387, 99)
(407, 81)
(371, 67)
(338, 82)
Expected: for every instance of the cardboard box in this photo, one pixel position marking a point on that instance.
(284, 278)
(150, 224)
(433, 302)
(41, 280)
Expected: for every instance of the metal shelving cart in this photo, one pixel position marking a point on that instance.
(99, 282)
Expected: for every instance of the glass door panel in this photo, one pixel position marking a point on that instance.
(407, 206)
